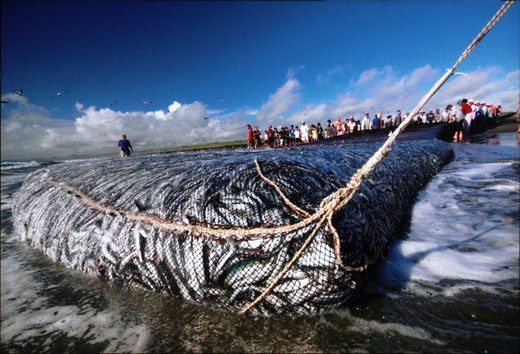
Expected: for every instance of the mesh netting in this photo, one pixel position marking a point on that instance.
(209, 227)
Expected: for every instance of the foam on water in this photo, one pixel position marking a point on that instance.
(8, 181)
(27, 314)
(464, 228)
(14, 165)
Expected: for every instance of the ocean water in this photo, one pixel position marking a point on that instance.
(450, 283)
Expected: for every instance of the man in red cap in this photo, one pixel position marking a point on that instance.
(467, 113)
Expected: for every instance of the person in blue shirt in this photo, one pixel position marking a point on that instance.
(376, 123)
(125, 147)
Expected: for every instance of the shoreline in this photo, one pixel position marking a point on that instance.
(507, 124)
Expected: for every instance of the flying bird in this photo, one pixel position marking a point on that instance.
(221, 99)
(146, 102)
(60, 93)
(114, 103)
(19, 92)
(205, 117)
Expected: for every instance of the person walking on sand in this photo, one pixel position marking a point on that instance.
(125, 146)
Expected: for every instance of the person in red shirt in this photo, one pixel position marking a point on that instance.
(464, 120)
(250, 138)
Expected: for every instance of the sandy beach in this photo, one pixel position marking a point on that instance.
(508, 124)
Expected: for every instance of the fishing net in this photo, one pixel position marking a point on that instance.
(228, 228)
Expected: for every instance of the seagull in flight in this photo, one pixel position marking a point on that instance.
(221, 99)
(114, 103)
(60, 93)
(146, 102)
(19, 92)
(206, 118)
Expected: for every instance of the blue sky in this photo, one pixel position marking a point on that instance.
(237, 63)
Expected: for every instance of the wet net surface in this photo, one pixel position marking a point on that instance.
(207, 228)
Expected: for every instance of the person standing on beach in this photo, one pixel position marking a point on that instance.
(297, 135)
(430, 116)
(328, 130)
(250, 138)
(270, 136)
(292, 138)
(305, 133)
(258, 137)
(466, 110)
(445, 116)
(397, 119)
(376, 123)
(125, 146)
(365, 122)
(338, 124)
(459, 122)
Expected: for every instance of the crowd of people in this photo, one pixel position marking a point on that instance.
(468, 116)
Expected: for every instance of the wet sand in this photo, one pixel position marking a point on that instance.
(508, 124)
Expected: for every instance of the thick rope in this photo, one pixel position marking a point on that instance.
(285, 269)
(329, 213)
(294, 207)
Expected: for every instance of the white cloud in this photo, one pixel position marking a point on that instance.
(324, 79)
(78, 106)
(367, 76)
(174, 106)
(280, 102)
(30, 131)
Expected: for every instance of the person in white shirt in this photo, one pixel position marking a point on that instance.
(351, 125)
(305, 132)
(420, 118)
(445, 115)
(387, 121)
(297, 135)
(484, 107)
(365, 122)
(458, 118)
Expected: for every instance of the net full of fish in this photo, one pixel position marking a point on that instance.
(137, 220)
